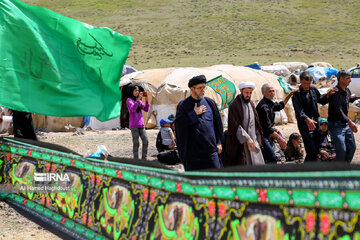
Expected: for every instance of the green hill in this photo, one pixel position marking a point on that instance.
(197, 33)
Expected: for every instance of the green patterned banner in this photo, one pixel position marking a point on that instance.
(129, 199)
(225, 88)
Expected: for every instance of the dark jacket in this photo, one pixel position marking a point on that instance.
(339, 105)
(266, 111)
(305, 103)
(191, 133)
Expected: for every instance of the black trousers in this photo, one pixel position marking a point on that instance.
(23, 125)
(309, 142)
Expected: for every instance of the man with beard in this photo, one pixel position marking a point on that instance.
(198, 128)
(244, 136)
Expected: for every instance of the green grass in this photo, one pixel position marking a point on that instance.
(200, 33)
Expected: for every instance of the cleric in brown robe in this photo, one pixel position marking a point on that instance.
(245, 136)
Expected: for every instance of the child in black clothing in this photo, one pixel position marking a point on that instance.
(326, 144)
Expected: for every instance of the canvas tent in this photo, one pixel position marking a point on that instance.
(276, 69)
(56, 123)
(111, 124)
(167, 86)
(293, 66)
(321, 64)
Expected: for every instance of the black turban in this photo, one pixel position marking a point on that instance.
(196, 80)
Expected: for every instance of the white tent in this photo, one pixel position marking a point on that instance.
(106, 125)
(276, 69)
(293, 66)
(56, 123)
(167, 86)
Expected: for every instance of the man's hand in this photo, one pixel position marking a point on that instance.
(324, 155)
(219, 148)
(172, 146)
(251, 145)
(311, 124)
(282, 143)
(294, 91)
(287, 98)
(331, 91)
(352, 126)
(277, 135)
(199, 110)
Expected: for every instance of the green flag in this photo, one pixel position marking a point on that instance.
(54, 65)
(225, 88)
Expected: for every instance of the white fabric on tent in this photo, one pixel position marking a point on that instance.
(317, 73)
(293, 66)
(278, 69)
(107, 125)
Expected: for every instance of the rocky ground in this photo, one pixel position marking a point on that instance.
(119, 144)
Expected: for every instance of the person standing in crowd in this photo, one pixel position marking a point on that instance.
(23, 125)
(136, 121)
(266, 109)
(340, 125)
(244, 137)
(305, 103)
(198, 128)
(326, 143)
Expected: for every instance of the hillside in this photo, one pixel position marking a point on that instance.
(206, 32)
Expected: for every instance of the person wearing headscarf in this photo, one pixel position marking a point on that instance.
(325, 142)
(136, 121)
(199, 129)
(244, 137)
